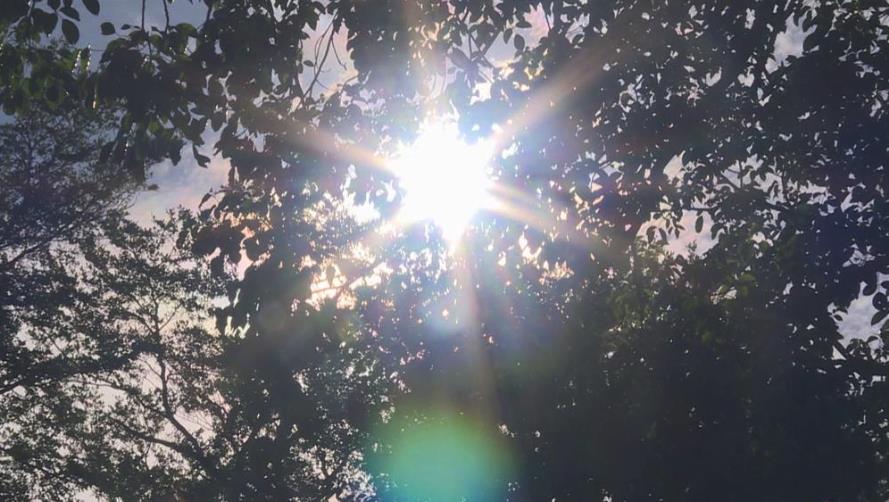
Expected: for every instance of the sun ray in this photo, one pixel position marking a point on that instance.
(576, 75)
(324, 142)
(521, 207)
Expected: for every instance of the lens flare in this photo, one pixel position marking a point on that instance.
(443, 457)
(445, 180)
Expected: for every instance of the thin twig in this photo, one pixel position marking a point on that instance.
(319, 66)
(166, 16)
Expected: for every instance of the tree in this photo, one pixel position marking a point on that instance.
(56, 198)
(687, 384)
(591, 104)
(117, 381)
(181, 415)
(56, 195)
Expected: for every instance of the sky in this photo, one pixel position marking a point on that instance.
(183, 184)
(186, 183)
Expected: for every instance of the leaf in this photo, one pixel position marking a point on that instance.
(459, 58)
(107, 28)
(202, 160)
(54, 95)
(186, 29)
(869, 288)
(205, 198)
(105, 151)
(519, 42)
(879, 316)
(699, 224)
(45, 21)
(70, 12)
(92, 6)
(880, 301)
(69, 29)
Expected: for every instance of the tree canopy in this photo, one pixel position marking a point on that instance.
(280, 344)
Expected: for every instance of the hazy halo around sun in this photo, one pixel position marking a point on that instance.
(445, 179)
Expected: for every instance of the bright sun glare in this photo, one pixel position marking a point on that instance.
(445, 180)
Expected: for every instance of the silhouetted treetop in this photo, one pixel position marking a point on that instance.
(328, 348)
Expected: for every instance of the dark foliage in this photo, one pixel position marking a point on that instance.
(636, 374)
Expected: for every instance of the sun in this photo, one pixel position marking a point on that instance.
(445, 179)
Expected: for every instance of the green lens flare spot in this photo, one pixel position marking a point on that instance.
(445, 457)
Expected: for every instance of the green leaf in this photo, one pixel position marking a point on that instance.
(69, 29)
(107, 28)
(519, 42)
(92, 6)
(699, 224)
